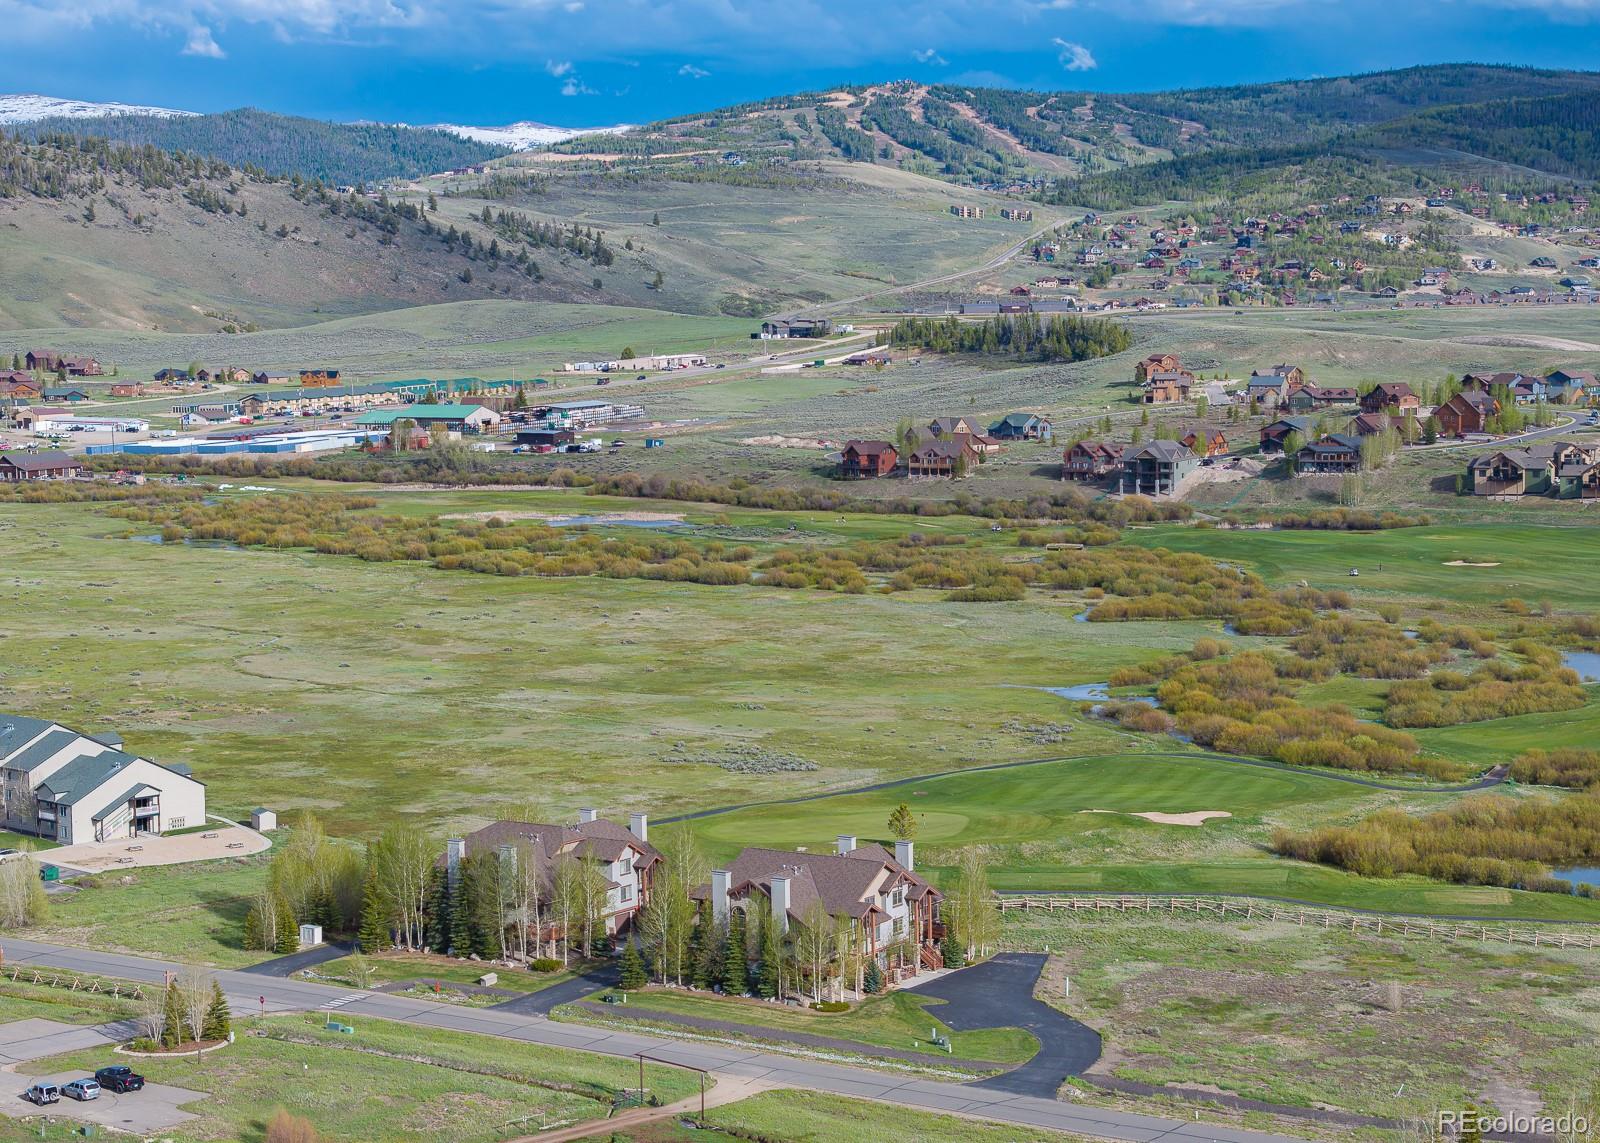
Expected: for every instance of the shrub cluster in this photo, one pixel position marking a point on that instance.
(1483, 840)
(1577, 769)
(1497, 688)
(1370, 650)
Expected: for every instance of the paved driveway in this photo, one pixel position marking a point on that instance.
(540, 1003)
(999, 994)
(157, 1108)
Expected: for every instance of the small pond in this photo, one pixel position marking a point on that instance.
(1579, 875)
(1586, 663)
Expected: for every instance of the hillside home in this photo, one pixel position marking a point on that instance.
(1293, 376)
(1020, 427)
(1370, 424)
(1578, 478)
(45, 464)
(19, 386)
(948, 458)
(42, 360)
(1305, 397)
(1511, 472)
(864, 459)
(1157, 469)
(1167, 388)
(1275, 434)
(1336, 453)
(1266, 390)
(623, 854)
(1569, 388)
(1204, 441)
(1092, 460)
(879, 898)
(1469, 411)
(1392, 397)
(1156, 363)
(73, 788)
(314, 378)
(957, 428)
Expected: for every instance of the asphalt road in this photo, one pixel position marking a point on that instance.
(282, 995)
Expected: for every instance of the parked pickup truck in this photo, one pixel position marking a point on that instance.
(119, 1078)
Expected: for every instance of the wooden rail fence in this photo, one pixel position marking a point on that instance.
(74, 983)
(1221, 909)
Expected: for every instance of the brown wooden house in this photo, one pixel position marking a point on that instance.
(1393, 397)
(1204, 441)
(1335, 453)
(1156, 363)
(948, 458)
(1469, 411)
(860, 460)
(1166, 388)
(48, 464)
(1092, 460)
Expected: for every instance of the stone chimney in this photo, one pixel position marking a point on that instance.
(639, 826)
(720, 880)
(780, 903)
(587, 816)
(905, 854)
(846, 842)
(455, 851)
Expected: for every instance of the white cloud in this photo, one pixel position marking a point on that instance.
(201, 43)
(558, 68)
(1075, 57)
(693, 72)
(576, 86)
(930, 56)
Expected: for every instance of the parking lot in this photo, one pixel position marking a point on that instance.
(157, 1108)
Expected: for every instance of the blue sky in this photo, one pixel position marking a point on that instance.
(594, 62)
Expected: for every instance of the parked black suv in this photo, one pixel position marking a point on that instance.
(119, 1078)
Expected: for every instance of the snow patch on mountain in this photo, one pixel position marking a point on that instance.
(28, 108)
(522, 136)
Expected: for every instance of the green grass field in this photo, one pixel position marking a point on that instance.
(901, 1020)
(392, 1082)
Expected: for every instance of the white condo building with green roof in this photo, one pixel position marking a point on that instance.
(68, 787)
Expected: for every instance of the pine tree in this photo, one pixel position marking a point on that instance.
(218, 1020)
(735, 959)
(172, 1018)
(769, 980)
(374, 933)
(463, 936)
(254, 936)
(438, 913)
(286, 938)
(633, 974)
(873, 982)
(952, 952)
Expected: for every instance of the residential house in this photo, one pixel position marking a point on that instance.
(1167, 388)
(1204, 441)
(81, 367)
(1370, 424)
(1579, 477)
(18, 386)
(623, 855)
(74, 788)
(1511, 472)
(962, 211)
(311, 378)
(1274, 435)
(1333, 454)
(1092, 460)
(949, 458)
(878, 897)
(1569, 388)
(1156, 363)
(862, 459)
(1304, 397)
(1469, 411)
(1266, 390)
(1158, 468)
(952, 428)
(1392, 397)
(46, 464)
(71, 396)
(1020, 427)
(127, 389)
(42, 360)
(171, 376)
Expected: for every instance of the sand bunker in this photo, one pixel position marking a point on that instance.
(1196, 818)
(1470, 564)
(554, 517)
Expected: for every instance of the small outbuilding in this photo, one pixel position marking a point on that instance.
(262, 820)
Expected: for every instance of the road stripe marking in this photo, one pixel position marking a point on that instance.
(341, 1001)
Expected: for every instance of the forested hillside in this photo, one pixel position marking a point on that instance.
(287, 145)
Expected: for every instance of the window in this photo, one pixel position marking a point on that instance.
(627, 894)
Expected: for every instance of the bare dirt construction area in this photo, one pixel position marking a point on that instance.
(178, 849)
(1471, 564)
(777, 441)
(1193, 818)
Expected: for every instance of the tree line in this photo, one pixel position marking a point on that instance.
(1020, 336)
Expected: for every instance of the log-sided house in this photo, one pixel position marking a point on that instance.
(1092, 460)
(1167, 387)
(1156, 363)
(863, 459)
(1204, 442)
(952, 457)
